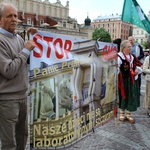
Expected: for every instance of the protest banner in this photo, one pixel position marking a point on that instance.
(72, 88)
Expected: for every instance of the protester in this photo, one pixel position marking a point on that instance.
(129, 99)
(146, 69)
(118, 42)
(137, 50)
(13, 80)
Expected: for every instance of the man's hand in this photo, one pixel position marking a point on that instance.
(31, 30)
(136, 71)
(30, 45)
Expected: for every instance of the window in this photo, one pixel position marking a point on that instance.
(136, 40)
(41, 21)
(113, 24)
(142, 32)
(64, 24)
(29, 21)
(74, 25)
(141, 41)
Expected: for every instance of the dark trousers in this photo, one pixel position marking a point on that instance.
(139, 80)
(13, 124)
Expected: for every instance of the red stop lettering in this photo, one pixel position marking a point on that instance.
(60, 43)
(48, 40)
(109, 52)
(40, 47)
(67, 47)
(61, 48)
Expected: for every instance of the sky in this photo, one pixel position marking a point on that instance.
(80, 9)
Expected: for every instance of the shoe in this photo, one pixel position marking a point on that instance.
(131, 120)
(122, 117)
(148, 114)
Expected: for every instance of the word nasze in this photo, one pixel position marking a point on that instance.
(109, 52)
(61, 48)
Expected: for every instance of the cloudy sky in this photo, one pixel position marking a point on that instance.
(79, 9)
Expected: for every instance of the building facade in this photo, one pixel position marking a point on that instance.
(119, 29)
(114, 25)
(141, 35)
(47, 16)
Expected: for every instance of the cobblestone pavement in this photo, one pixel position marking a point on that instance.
(121, 136)
(116, 135)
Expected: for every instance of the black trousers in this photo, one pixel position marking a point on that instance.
(139, 80)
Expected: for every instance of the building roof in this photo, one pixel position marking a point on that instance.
(105, 18)
(87, 23)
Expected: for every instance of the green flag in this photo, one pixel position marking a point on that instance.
(133, 14)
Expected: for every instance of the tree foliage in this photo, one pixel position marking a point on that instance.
(101, 35)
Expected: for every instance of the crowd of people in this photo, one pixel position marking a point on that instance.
(14, 79)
